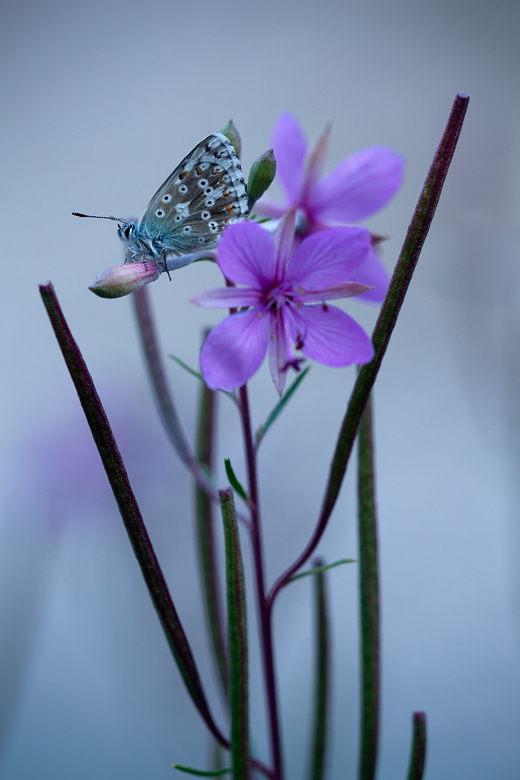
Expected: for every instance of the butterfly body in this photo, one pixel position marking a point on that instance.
(189, 212)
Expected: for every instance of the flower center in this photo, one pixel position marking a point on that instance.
(282, 294)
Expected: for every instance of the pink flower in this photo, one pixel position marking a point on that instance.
(279, 288)
(359, 187)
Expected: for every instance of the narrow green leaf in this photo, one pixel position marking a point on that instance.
(402, 276)
(202, 772)
(208, 559)
(235, 484)
(406, 264)
(128, 507)
(369, 600)
(237, 635)
(322, 568)
(262, 430)
(186, 367)
(418, 754)
(322, 678)
(197, 374)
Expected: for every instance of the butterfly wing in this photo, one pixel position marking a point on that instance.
(203, 195)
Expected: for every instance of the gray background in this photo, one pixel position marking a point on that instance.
(101, 101)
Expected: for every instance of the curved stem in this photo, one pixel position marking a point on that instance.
(263, 608)
(402, 276)
(162, 394)
(369, 600)
(164, 398)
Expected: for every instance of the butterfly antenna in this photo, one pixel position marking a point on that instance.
(94, 216)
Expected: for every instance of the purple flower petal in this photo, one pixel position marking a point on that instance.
(270, 208)
(329, 335)
(359, 187)
(283, 242)
(374, 274)
(227, 298)
(314, 165)
(330, 257)
(235, 349)
(279, 350)
(246, 255)
(290, 148)
(346, 290)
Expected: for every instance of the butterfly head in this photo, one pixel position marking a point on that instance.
(127, 231)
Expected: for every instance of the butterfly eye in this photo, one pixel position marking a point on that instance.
(127, 231)
(183, 189)
(206, 214)
(178, 218)
(202, 240)
(208, 190)
(213, 226)
(209, 202)
(160, 213)
(187, 229)
(166, 198)
(202, 183)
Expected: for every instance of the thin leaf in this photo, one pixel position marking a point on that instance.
(186, 367)
(235, 484)
(262, 430)
(128, 507)
(413, 244)
(322, 568)
(418, 754)
(208, 559)
(202, 772)
(369, 600)
(237, 635)
(322, 679)
(198, 375)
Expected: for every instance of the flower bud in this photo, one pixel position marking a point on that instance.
(261, 176)
(124, 279)
(233, 137)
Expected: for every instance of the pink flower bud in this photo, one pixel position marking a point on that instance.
(124, 279)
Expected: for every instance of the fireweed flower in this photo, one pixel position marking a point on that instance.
(357, 188)
(285, 296)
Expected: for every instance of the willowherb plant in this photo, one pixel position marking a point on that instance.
(278, 284)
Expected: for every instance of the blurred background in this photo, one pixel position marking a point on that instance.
(101, 100)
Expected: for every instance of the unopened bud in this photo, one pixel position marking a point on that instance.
(233, 137)
(124, 279)
(261, 176)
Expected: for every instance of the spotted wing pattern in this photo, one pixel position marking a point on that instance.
(203, 195)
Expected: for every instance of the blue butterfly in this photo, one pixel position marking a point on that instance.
(189, 212)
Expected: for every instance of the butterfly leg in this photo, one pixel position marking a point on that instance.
(165, 264)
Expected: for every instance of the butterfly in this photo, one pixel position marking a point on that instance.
(188, 213)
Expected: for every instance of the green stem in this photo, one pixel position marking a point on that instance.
(322, 677)
(418, 754)
(369, 600)
(206, 537)
(237, 636)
